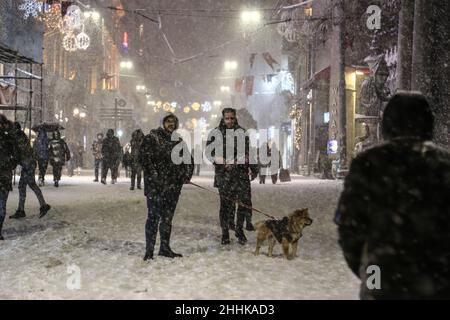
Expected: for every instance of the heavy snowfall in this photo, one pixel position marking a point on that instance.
(100, 230)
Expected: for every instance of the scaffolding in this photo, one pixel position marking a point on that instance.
(27, 94)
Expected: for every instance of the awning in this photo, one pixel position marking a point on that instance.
(323, 74)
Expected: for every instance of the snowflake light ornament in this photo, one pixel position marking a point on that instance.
(70, 42)
(83, 41)
(31, 8)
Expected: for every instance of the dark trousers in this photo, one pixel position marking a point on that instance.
(27, 179)
(161, 209)
(3, 199)
(97, 165)
(43, 164)
(109, 165)
(228, 207)
(136, 171)
(57, 169)
(262, 179)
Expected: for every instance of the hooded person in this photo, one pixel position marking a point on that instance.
(59, 154)
(393, 213)
(111, 151)
(41, 154)
(232, 175)
(27, 175)
(97, 153)
(136, 168)
(167, 165)
(9, 158)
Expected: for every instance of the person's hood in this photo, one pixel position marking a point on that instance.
(137, 134)
(110, 133)
(222, 125)
(168, 115)
(408, 115)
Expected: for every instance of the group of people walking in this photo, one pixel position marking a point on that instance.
(16, 151)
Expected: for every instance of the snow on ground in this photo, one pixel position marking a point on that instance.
(100, 230)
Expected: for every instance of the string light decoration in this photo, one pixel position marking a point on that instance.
(53, 18)
(31, 8)
(70, 42)
(196, 106)
(73, 20)
(83, 40)
(296, 114)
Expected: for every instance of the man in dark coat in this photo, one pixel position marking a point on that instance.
(27, 175)
(232, 175)
(97, 153)
(136, 168)
(163, 179)
(394, 212)
(111, 151)
(59, 155)
(9, 158)
(41, 154)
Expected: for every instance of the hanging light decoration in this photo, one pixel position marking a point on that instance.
(166, 107)
(83, 40)
(70, 42)
(52, 17)
(31, 8)
(186, 109)
(196, 106)
(73, 19)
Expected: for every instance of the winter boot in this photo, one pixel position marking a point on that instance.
(139, 187)
(241, 236)
(56, 184)
(132, 188)
(18, 215)
(44, 209)
(225, 238)
(249, 226)
(113, 181)
(169, 253)
(95, 180)
(1, 226)
(148, 255)
(103, 181)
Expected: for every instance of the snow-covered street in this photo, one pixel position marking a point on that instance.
(100, 230)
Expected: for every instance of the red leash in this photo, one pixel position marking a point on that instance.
(235, 201)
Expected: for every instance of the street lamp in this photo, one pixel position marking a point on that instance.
(76, 111)
(83, 115)
(231, 65)
(140, 88)
(251, 17)
(225, 89)
(217, 103)
(127, 65)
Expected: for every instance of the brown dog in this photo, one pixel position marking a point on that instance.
(286, 231)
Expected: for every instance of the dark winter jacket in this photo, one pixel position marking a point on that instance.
(59, 151)
(9, 154)
(136, 140)
(25, 149)
(40, 146)
(238, 175)
(111, 149)
(394, 211)
(97, 148)
(160, 172)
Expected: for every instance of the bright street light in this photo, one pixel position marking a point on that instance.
(76, 111)
(225, 89)
(140, 88)
(82, 115)
(217, 103)
(231, 65)
(251, 16)
(128, 65)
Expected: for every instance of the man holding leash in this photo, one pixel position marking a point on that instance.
(163, 180)
(232, 169)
